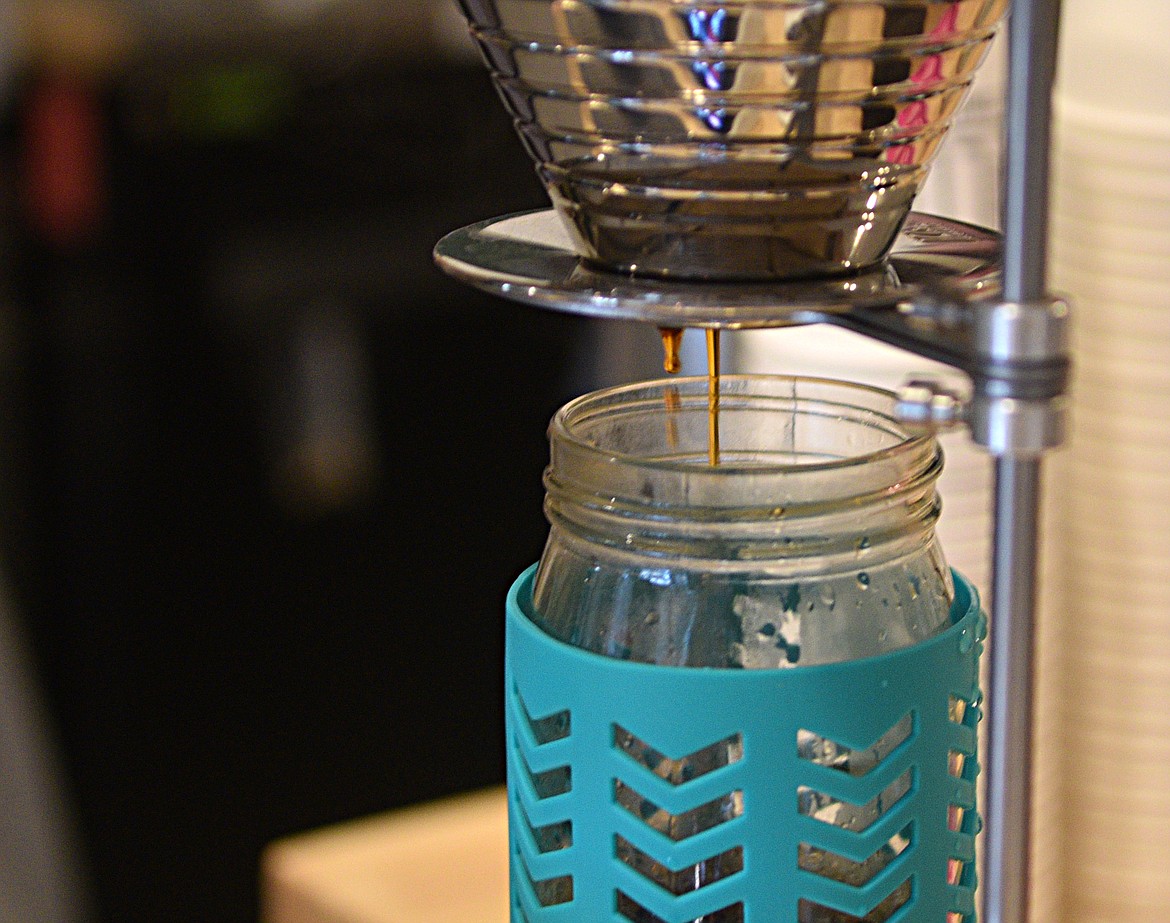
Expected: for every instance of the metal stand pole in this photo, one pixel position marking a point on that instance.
(1033, 38)
(1009, 699)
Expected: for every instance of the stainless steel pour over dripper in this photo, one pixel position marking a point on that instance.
(756, 139)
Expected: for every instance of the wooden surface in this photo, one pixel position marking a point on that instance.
(445, 862)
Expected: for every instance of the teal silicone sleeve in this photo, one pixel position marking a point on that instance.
(573, 786)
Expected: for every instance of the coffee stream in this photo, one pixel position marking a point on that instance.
(671, 347)
(713, 396)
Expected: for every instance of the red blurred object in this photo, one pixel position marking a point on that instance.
(64, 193)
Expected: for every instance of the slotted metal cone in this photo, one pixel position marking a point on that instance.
(753, 139)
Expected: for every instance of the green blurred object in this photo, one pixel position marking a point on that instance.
(232, 100)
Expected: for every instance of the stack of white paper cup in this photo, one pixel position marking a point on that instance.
(1111, 251)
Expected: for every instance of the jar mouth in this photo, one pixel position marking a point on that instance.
(788, 440)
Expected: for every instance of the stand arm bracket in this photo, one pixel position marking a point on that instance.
(1016, 355)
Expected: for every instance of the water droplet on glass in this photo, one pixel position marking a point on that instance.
(863, 543)
(863, 580)
(792, 598)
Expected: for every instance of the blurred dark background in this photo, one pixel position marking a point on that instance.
(266, 473)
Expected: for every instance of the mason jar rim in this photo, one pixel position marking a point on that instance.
(808, 461)
(581, 408)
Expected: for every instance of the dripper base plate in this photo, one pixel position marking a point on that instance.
(529, 258)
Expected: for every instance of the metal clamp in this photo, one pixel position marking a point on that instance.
(1022, 349)
(1020, 428)
(1017, 358)
(1013, 333)
(931, 405)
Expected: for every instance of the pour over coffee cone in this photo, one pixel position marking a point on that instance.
(755, 139)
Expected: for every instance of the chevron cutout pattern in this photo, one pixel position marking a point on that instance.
(855, 874)
(632, 910)
(549, 892)
(964, 715)
(683, 880)
(841, 868)
(820, 913)
(826, 752)
(671, 872)
(549, 729)
(796, 796)
(846, 814)
(551, 837)
(551, 782)
(685, 769)
(861, 867)
(540, 774)
(673, 875)
(684, 824)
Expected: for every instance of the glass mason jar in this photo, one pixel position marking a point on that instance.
(810, 542)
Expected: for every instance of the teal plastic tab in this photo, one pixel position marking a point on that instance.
(649, 793)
